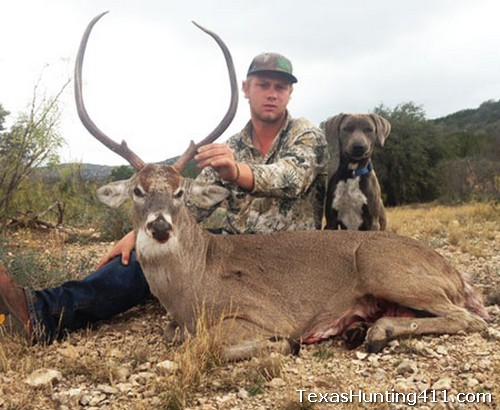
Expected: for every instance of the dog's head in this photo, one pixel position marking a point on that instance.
(355, 135)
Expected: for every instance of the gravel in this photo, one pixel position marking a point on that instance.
(124, 364)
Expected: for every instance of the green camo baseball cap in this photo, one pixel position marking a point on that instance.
(272, 62)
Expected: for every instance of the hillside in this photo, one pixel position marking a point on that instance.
(482, 120)
(88, 172)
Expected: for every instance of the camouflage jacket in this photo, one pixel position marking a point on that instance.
(289, 182)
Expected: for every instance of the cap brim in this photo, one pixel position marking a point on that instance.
(290, 77)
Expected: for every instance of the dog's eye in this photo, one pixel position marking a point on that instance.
(368, 130)
(138, 192)
(349, 128)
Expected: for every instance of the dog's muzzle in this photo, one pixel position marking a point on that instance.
(358, 151)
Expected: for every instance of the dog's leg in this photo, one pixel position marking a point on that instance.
(332, 222)
(375, 219)
(331, 215)
(382, 217)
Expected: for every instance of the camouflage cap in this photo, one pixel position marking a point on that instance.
(272, 62)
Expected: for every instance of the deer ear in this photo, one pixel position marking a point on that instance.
(203, 195)
(115, 193)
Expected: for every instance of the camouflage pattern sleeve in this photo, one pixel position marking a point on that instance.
(303, 154)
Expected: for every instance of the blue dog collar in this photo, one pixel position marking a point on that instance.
(361, 171)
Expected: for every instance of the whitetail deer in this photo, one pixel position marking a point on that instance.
(285, 287)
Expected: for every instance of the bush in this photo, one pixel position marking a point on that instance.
(468, 179)
(38, 270)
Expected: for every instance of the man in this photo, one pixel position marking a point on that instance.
(275, 172)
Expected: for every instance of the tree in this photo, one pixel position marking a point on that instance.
(32, 141)
(471, 169)
(121, 172)
(406, 164)
(3, 115)
(462, 144)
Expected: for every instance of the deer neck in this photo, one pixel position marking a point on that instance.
(192, 241)
(185, 251)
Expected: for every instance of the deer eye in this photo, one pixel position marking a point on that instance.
(138, 192)
(178, 193)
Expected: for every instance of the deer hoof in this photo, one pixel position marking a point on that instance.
(173, 333)
(294, 345)
(378, 338)
(355, 335)
(376, 346)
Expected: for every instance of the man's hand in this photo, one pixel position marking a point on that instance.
(123, 247)
(221, 158)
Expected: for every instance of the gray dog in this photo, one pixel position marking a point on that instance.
(353, 197)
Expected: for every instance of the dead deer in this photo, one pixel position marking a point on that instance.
(286, 287)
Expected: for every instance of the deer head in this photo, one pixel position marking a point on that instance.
(157, 191)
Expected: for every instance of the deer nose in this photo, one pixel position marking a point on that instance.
(160, 229)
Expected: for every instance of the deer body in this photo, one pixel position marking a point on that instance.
(303, 286)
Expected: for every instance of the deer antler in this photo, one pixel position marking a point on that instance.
(121, 149)
(231, 112)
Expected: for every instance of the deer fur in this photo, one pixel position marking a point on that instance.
(290, 286)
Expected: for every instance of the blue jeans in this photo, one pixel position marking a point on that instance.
(76, 304)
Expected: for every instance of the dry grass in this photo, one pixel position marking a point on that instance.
(15, 355)
(463, 226)
(196, 357)
(201, 355)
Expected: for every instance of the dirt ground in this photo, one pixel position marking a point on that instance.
(125, 364)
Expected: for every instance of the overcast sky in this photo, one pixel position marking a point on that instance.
(152, 78)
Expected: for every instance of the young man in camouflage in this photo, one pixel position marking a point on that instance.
(275, 171)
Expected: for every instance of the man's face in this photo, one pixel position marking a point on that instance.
(268, 96)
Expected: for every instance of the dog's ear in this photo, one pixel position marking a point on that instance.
(383, 128)
(331, 128)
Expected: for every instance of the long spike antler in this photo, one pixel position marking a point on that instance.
(121, 149)
(231, 112)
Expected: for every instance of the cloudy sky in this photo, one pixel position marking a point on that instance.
(152, 78)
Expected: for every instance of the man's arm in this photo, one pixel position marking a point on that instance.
(123, 247)
(297, 165)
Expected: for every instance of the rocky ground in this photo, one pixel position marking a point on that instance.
(124, 364)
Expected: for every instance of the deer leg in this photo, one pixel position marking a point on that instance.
(454, 321)
(173, 333)
(247, 349)
(244, 340)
